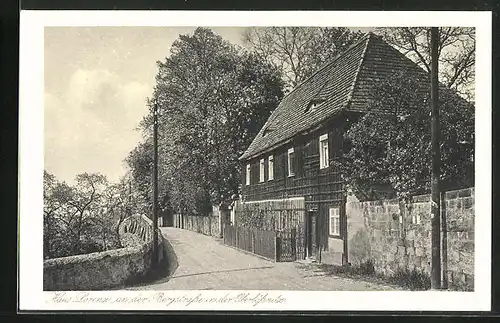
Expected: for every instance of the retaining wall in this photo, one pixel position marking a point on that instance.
(101, 270)
(378, 232)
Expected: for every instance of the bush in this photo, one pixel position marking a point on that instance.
(367, 268)
(409, 279)
(412, 279)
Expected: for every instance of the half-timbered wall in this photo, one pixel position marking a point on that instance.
(321, 188)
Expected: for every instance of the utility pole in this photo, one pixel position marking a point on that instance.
(155, 185)
(129, 207)
(436, 163)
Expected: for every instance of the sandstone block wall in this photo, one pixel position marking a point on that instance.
(379, 232)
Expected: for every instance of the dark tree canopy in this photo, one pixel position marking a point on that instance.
(212, 97)
(299, 51)
(456, 53)
(393, 148)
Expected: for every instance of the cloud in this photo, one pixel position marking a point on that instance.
(90, 128)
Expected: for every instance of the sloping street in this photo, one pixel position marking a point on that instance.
(205, 263)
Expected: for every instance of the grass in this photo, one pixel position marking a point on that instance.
(410, 280)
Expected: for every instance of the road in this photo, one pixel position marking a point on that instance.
(205, 263)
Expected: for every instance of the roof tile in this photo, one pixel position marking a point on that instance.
(346, 82)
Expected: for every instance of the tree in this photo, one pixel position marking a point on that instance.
(393, 148)
(116, 205)
(213, 97)
(82, 218)
(140, 163)
(88, 194)
(55, 207)
(456, 53)
(298, 51)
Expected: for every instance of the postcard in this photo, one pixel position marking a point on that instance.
(227, 161)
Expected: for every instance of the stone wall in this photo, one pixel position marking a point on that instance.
(101, 270)
(379, 232)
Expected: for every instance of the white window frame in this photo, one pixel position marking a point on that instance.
(270, 166)
(415, 218)
(248, 175)
(262, 170)
(323, 140)
(291, 173)
(334, 227)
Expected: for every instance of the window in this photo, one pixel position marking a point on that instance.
(323, 151)
(291, 162)
(311, 107)
(261, 173)
(415, 218)
(334, 221)
(248, 174)
(313, 104)
(270, 173)
(265, 131)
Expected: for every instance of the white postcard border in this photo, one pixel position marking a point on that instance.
(31, 153)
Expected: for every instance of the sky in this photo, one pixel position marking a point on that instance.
(97, 80)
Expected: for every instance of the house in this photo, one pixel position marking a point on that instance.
(289, 164)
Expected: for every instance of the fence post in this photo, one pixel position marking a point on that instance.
(237, 233)
(210, 226)
(276, 248)
(293, 243)
(252, 234)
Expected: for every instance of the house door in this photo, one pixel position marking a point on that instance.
(311, 234)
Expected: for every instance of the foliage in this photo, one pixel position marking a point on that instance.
(393, 146)
(298, 51)
(408, 279)
(456, 53)
(212, 99)
(140, 162)
(254, 219)
(82, 218)
(411, 279)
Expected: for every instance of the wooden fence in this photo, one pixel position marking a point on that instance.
(284, 214)
(280, 246)
(207, 225)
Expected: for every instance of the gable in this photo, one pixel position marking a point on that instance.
(290, 116)
(345, 83)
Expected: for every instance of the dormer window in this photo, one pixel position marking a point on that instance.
(313, 104)
(265, 131)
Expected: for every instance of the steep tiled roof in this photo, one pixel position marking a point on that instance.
(345, 83)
